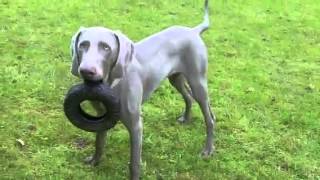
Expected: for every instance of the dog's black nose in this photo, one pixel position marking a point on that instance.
(88, 73)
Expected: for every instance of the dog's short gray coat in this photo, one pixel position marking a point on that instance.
(135, 70)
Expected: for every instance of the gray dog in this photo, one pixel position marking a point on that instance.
(135, 70)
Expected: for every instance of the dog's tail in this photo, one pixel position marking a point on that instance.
(206, 23)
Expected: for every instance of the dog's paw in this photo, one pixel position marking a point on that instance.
(207, 152)
(92, 160)
(183, 119)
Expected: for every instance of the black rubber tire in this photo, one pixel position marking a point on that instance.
(92, 92)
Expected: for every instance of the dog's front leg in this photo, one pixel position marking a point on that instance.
(135, 132)
(130, 109)
(100, 139)
(133, 122)
(99, 149)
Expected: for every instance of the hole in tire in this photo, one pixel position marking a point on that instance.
(87, 107)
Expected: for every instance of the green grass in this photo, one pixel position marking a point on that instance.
(264, 85)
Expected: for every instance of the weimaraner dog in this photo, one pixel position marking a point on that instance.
(135, 70)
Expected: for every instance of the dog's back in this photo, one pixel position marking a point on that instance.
(175, 39)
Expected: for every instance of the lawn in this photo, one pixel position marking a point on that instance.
(264, 86)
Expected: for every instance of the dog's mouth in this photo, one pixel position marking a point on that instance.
(92, 81)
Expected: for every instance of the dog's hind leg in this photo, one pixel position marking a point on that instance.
(179, 82)
(198, 84)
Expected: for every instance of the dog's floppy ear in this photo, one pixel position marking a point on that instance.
(125, 54)
(74, 52)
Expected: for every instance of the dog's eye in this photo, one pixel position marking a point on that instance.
(84, 45)
(105, 47)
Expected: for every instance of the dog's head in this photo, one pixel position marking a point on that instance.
(100, 54)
